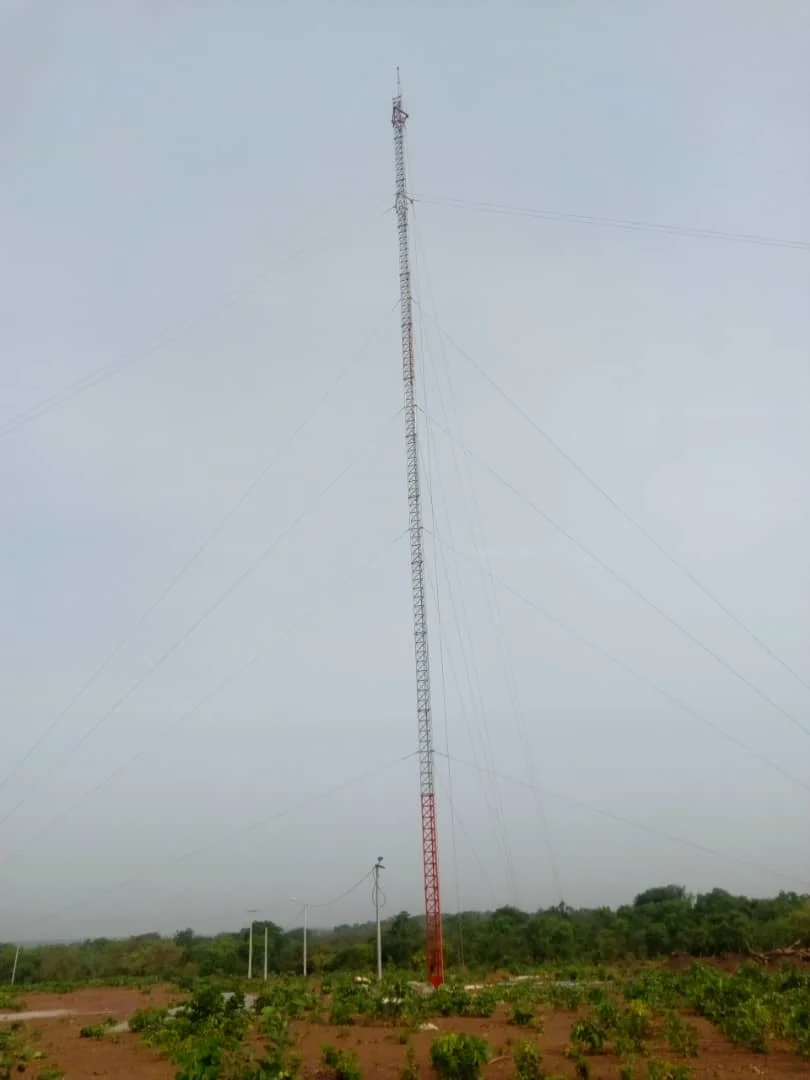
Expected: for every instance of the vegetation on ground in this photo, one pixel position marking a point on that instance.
(457, 1056)
(17, 1053)
(659, 923)
(636, 1011)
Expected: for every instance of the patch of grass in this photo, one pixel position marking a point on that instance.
(50, 1072)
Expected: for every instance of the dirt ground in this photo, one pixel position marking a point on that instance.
(378, 1048)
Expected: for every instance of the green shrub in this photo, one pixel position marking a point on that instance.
(459, 1057)
(410, 1070)
(9, 1002)
(681, 1036)
(522, 1014)
(582, 1068)
(528, 1062)
(143, 1020)
(342, 1063)
(93, 1031)
(588, 1036)
(342, 1013)
(666, 1070)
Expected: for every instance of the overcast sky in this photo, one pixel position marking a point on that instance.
(195, 199)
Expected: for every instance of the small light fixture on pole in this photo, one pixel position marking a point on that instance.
(378, 866)
(295, 900)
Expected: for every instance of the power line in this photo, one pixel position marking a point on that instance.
(625, 514)
(235, 834)
(229, 679)
(479, 727)
(215, 307)
(620, 223)
(348, 892)
(494, 611)
(643, 827)
(184, 569)
(493, 800)
(179, 642)
(684, 631)
(622, 666)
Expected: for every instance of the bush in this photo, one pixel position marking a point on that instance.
(588, 1036)
(93, 1031)
(681, 1036)
(9, 1002)
(342, 1014)
(410, 1070)
(522, 1014)
(528, 1062)
(666, 1070)
(459, 1057)
(343, 1063)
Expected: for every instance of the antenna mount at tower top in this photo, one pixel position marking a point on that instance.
(399, 116)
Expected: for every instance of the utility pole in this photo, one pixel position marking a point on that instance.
(14, 969)
(378, 866)
(265, 952)
(295, 900)
(251, 912)
(424, 715)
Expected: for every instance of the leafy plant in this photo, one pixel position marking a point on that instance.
(452, 999)
(458, 1056)
(582, 1068)
(93, 1031)
(666, 1070)
(342, 1013)
(343, 1063)
(522, 1014)
(528, 1062)
(588, 1036)
(482, 1004)
(410, 1070)
(681, 1036)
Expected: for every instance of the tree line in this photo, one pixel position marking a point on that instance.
(660, 922)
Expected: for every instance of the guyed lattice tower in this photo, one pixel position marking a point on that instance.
(430, 843)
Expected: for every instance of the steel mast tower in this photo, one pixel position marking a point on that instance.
(430, 843)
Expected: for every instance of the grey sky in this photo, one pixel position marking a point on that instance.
(157, 156)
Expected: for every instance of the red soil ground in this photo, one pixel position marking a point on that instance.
(378, 1049)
